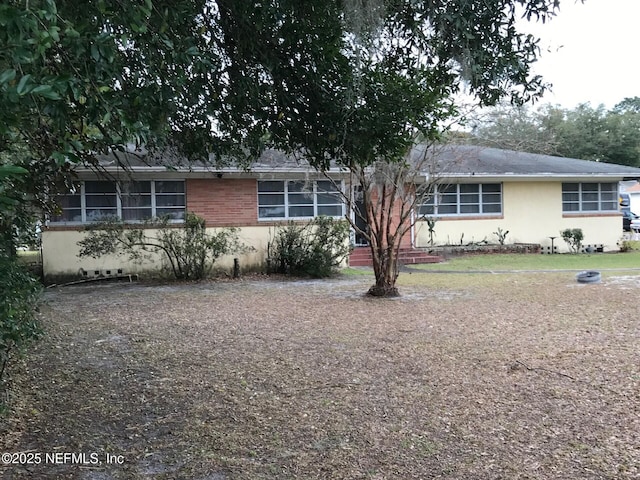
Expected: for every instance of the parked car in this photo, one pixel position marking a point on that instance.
(634, 225)
(627, 217)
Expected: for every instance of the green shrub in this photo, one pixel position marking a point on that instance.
(314, 249)
(573, 237)
(19, 295)
(190, 250)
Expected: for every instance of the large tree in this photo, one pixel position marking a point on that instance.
(360, 83)
(353, 82)
(80, 78)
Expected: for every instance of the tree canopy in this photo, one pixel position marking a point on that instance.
(320, 76)
(586, 132)
(356, 82)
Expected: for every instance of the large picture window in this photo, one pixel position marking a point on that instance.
(133, 201)
(278, 199)
(589, 197)
(464, 199)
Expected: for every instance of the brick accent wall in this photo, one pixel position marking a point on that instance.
(223, 202)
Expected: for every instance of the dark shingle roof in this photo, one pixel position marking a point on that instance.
(485, 161)
(446, 161)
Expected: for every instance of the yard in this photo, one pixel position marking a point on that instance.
(466, 376)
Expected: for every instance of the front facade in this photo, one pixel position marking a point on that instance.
(256, 203)
(534, 197)
(531, 211)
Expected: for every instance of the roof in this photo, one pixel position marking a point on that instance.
(476, 161)
(451, 162)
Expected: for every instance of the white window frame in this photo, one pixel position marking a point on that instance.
(313, 193)
(437, 194)
(581, 198)
(119, 209)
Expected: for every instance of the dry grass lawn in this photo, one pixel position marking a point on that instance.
(528, 376)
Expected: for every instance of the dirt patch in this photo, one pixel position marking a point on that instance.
(531, 378)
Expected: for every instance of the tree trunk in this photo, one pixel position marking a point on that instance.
(386, 276)
(384, 255)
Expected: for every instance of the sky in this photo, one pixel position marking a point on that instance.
(590, 52)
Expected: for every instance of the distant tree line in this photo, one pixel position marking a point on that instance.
(586, 132)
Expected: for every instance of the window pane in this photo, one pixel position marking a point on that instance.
(99, 187)
(590, 206)
(570, 197)
(297, 187)
(492, 208)
(169, 187)
(271, 199)
(301, 211)
(136, 213)
(470, 198)
(70, 215)
(170, 200)
(589, 197)
(270, 186)
(330, 210)
(97, 214)
(447, 209)
(172, 213)
(69, 201)
(609, 206)
(491, 188)
(127, 188)
(136, 201)
(271, 212)
(326, 186)
(449, 199)
(570, 207)
(469, 208)
(469, 188)
(426, 210)
(491, 198)
(608, 196)
(589, 187)
(329, 198)
(300, 199)
(101, 201)
(570, 187)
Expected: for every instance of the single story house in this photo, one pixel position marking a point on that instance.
(479, 191)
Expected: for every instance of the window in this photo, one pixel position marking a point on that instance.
(70, 205)
(589, 197)
(101, 200)
(279, 199)
(464, 199)
(133, 201)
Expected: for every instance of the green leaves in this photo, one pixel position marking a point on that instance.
(19, 296)
(23, 85)
(584, 132)
(7, 76)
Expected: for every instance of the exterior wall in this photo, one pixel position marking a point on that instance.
(532, 212)
(61, 261)
(223, 202)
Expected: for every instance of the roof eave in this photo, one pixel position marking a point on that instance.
(533, 177)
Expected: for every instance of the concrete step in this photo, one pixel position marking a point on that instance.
(361, 257)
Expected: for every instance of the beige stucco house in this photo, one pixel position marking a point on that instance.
(479, 190)
(532, 196)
